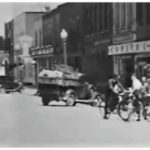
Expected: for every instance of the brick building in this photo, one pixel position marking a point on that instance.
(23, 37)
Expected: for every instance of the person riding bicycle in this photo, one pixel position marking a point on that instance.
(145, 95)
(137, 91)
(145, 86)
(112, 98)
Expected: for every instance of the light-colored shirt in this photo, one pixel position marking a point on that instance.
(136, 84)
(146, 87)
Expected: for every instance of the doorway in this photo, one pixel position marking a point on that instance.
(126, 69)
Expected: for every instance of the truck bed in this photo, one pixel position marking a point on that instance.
(58, 81)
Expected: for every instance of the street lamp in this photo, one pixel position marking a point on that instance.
(64, 35)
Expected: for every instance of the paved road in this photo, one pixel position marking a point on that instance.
(25, 122)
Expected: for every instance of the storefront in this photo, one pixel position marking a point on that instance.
(43, 58)
(131, 58)
(4, 62)
(96, 63)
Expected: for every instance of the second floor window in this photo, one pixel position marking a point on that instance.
(123, 15)
(97, 17)
(36, 39)
(140, 14)
(129, 14)
(148, 13)
(117, 15)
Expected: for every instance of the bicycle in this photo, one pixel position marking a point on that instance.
(146, 106)
(130, 108)
(111, 106)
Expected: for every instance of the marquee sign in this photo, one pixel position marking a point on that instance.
(135, 47)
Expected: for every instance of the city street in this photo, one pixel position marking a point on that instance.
(25, 122)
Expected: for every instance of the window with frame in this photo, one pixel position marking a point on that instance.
(123, 15)
(117, 18)
(36, 40)
(140, 13)
(148, 13)
(129, 14)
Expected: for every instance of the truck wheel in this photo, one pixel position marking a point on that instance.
(71, 100)
(97, 100)
(45, 101)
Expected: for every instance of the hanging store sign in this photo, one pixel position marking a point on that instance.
(42, 51)
(136, 47)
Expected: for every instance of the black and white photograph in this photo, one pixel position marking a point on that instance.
(74, 74)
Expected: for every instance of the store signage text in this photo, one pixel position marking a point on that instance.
(44, 51)
(136, 47)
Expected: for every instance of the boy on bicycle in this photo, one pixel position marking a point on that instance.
(112, 99)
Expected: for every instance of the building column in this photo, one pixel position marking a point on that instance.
(135, 64)
(114, 18)
(36, 72)
(120, 16)
(126, 19)
(115, 65)
(133, 17)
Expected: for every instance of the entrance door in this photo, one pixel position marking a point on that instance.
(127, 68)
(140, 69)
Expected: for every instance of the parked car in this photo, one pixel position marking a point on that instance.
(7, 85)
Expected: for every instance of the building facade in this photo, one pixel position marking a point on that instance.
(89, 28)
(23, 38)
(53, 22)
(9, 30)
(130, 39)
(40, 52)
(72, 23)
(97, 23)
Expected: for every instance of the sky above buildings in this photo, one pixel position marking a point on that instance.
(10, 10)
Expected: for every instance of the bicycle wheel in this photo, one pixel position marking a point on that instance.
(148, 113)
(129, 111)
(125, 109)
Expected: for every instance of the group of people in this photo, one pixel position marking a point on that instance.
(140, 88)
